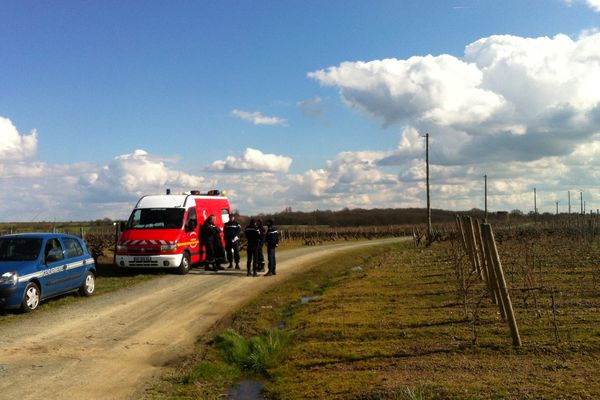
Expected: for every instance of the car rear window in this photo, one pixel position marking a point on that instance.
(73, 248)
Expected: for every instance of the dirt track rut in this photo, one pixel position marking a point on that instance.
(109, 346)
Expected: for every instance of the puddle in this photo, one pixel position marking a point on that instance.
(246, 390)
(308, 299)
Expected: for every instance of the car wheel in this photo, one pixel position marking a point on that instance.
(31, 297)
(89, 285)
(184, 267)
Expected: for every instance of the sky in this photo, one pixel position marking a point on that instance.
(302, 104)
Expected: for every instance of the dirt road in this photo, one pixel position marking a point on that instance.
(109, 346)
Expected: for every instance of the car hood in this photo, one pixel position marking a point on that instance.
(19, 266)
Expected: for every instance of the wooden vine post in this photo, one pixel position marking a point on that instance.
(506, 304)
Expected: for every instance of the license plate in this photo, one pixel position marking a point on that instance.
(141, 259)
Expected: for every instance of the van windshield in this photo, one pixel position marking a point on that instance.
(156, 218)
(20, 249)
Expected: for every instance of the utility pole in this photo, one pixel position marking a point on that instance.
(485, 195)
(557, 208)
(429, 230)
(581, 200)
(569, 192)
(535, 204)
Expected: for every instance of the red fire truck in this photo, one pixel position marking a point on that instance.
(162, 230)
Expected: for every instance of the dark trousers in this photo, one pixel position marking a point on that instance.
(209, 251)
(252, 259)
(271, 257)
(261, 258)
(233, 251)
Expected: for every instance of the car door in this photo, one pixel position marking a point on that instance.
(54, 268)
(76, 261)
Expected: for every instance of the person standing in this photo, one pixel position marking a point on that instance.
(218, 245)
(272, 241)
(261, 257)
(207, 236)
(253, 237)
(231, 232)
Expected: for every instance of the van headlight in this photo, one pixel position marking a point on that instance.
(9, 277)
(168, 247)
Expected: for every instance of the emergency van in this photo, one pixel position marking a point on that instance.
(163, 230)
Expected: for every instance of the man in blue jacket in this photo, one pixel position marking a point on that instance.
(272, 241)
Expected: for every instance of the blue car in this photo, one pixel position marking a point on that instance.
(36, 266)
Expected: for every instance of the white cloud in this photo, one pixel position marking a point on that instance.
(594, 4)
(443, 90)
(253, 160)
(257, 118)
(508, 99)
(14, 146)
(524, 111)
(130, 176)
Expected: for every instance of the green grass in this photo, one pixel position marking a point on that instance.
(396, 329)
(256, 354)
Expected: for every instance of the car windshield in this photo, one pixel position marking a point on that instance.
(156, 218)
(19, 249)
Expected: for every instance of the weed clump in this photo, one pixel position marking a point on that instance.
(256, 354)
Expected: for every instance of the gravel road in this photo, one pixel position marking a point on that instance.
(110, 346)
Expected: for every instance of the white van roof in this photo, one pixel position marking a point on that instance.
(171, 200)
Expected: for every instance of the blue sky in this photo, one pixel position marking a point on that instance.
(292, 103)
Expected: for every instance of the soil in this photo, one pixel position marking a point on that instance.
(110, 346)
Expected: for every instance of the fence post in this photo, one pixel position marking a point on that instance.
(462, 233)
(492, 282)
(510, 315)
(483, 273)
(493, 278)
(472, 239)
(469, 239)
(490, 278)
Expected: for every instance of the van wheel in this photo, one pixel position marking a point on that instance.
(31, 298)
(89, 285)
(184, 267)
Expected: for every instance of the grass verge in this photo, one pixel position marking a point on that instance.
(387, 323)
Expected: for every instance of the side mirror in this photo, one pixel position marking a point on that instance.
(122, 226)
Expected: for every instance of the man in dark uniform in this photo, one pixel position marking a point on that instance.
(210, 235)
(272, 241)
(231, 232)
(253, 237)
(208, 241)
(261, 258)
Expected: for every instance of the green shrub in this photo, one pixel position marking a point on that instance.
(256, 354)
(233, 347)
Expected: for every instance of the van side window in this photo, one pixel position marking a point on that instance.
(53, 248)
(192, 216)
(73, 248)
(225, 215)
